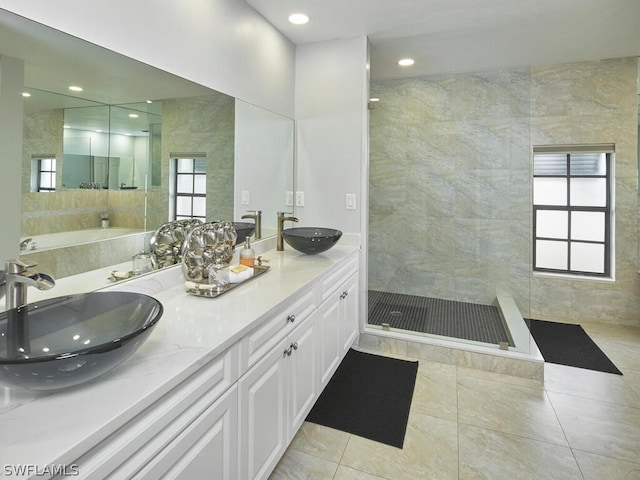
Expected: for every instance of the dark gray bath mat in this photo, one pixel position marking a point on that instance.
(568, 344)
(369, 396)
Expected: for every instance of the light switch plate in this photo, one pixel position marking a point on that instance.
(299, 199)
(350, 201)
(244, 197)
(289, 199)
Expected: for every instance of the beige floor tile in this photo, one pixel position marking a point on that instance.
(296, 465)
(619, 343)
(632, 378)
(598, 427)
(579, 382)
(346, 473)
(435, 390)
(624, 355)
(430, 452)
(485, 454)
(320, 441)
(596, 467)
(506, 408)
(498, 377)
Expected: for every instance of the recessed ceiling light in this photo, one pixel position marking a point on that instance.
(374, 99)
(133, 115)
(406, 62)
(75, 88)
(26, 94)
(149, 101)
(298, 18)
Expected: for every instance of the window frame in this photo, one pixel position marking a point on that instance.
(607, 210)
(52, 171)
(193, 174)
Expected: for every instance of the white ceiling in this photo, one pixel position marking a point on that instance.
(446, 36)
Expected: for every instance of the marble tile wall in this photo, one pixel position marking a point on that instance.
(447, 211)
(450, 184)
(593, 102)
(207, 125)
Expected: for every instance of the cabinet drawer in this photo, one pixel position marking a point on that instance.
(143, 437)
(276, 326)
(335, 278)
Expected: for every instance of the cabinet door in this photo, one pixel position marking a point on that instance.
(303, 373)
(349, 313)
(206, 449)
(262, 415)
(330, 331)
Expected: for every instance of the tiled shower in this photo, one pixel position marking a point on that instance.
(450, 184)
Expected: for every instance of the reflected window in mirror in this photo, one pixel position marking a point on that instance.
(190, 187)
(43, 173)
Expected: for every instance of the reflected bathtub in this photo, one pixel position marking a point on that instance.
(69, 253)
(50, 241)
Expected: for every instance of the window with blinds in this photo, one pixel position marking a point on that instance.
(572, 210)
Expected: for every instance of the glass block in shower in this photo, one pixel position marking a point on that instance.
(551, 254)
(587, 257)
(549, 191)
(550, 164)
(552, 224)
(588, 164)
(590, 192)
(588, 226)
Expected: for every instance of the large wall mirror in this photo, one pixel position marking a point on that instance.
(109, 151)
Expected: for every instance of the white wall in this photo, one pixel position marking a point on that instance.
(263, 162)
(222, 44)
(331, 105)
(11, 81)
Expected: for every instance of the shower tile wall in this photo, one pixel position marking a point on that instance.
(449, 167)
(450, 212)
(593, 102)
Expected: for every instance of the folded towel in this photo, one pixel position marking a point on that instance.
(240, 273)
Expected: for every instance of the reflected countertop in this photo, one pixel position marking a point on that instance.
(56, 428)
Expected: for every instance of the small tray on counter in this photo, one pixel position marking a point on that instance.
(210, 293)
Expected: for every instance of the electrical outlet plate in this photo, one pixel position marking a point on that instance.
(289, 199)
(299, 199)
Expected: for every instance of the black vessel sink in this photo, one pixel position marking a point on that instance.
(311, 240)
(244, 230)
(65, 341)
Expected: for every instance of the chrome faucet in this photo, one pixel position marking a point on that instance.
(15, 279)
(24, 244)
(281, 220)
(256, 215)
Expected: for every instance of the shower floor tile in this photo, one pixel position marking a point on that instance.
(448, 318)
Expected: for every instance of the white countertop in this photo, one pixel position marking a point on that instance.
(56, 428)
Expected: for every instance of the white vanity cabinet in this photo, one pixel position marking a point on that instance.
(205, 449)
(275, 397)
(232, 410)
(338, 314)
(192, 428)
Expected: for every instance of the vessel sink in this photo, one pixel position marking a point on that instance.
(65, 341)
(243, 229)
(311, 240)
